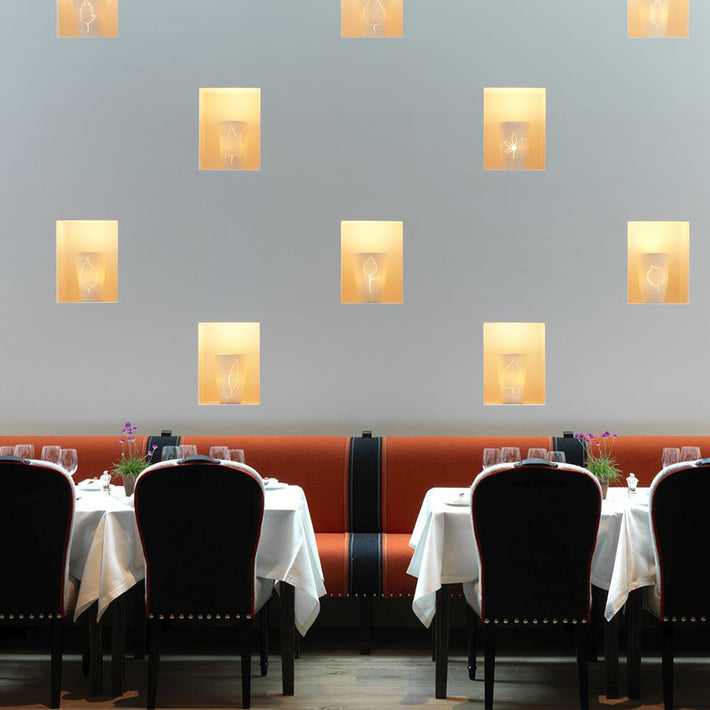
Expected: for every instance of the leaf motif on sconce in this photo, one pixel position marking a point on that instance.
(374, 14)
(233, 377)
(87, 14)
(513, 145)
(88, 276)
(369, 268)
(656, 277)
(658, 14)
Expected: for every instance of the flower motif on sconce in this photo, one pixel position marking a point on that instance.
(513, 145)
(656, 277)
(658, 13)
(369, 268)
(88, 277)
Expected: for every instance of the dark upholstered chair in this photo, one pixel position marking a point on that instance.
(536, 527)
(36, 523)
(200, 521)
(680, 527)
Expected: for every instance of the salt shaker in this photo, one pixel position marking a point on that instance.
(106, 482)
(632, 482)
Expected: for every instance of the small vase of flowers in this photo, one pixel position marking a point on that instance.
(600, 460)
(132, 461)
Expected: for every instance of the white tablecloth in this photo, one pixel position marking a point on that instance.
(445, 553)
(107, 558)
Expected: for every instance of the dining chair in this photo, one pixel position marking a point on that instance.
(535, 525)
(680, 528)
(36, 524)
(199, 521)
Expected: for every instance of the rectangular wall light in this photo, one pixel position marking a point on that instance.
(87, 261)
(514, 363)
(371, 18)
(658, 255)
(230, 129)
(228, 363)
(371, 262)
(659, 18)
(87, 18)
(514, 125)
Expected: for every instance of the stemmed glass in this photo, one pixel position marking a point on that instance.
(69, 460)
(491, 457)
(537, 454)
(187, 450)
(219, 452)
(509, 454)
(690, 453)
(556, 456)
(670, 456)
(170, 452)
(25, 451)
(51, 453)
(7, 450)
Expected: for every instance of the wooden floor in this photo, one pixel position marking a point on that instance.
(344, 680)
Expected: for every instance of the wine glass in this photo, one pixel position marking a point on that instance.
(51, 453)
(690, 453)
(556, 456)
(236, 455)
(169, 452)
(25, 451)
(69, 460)
(219, 452)
(7, 450)
(491, 457)
(670, 456)
(537, 454)
(187, 450)
(509, 454)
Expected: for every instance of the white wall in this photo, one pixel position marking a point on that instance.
(351, 129)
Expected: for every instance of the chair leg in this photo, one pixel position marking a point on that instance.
(288, 635)
(297, 646)
(56, 662)
(582, 633)
(668, 665)
(154, 630)
(118, 645)
(489, 668)
(634, 629)
(264, 643)
(139, 621)
(472, 633)
(246, 627)
(96, 655)
(365, 625)
(442, 619)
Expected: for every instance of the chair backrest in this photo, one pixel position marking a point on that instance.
(36, 524)
(199, 522)
(536, 527)
(680, 524)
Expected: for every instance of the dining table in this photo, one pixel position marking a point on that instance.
(106, 559)
(444, 554)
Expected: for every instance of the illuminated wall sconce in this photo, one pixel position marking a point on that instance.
(228, 363)
(658, 18)
(658, 260)
(371, 18)
(87, 261)
(371, 262)
(514, 129)
(230, 129)
(514, 363)
(87, 18)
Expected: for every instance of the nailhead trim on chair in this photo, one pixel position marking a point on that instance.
(535, 621)
(162, 617)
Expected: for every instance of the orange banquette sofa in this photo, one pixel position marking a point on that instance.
(364, 492)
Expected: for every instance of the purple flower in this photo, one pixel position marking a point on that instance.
(590, 436)
(122, 441)
(155, 446)
(606, 435)
(615, 436)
